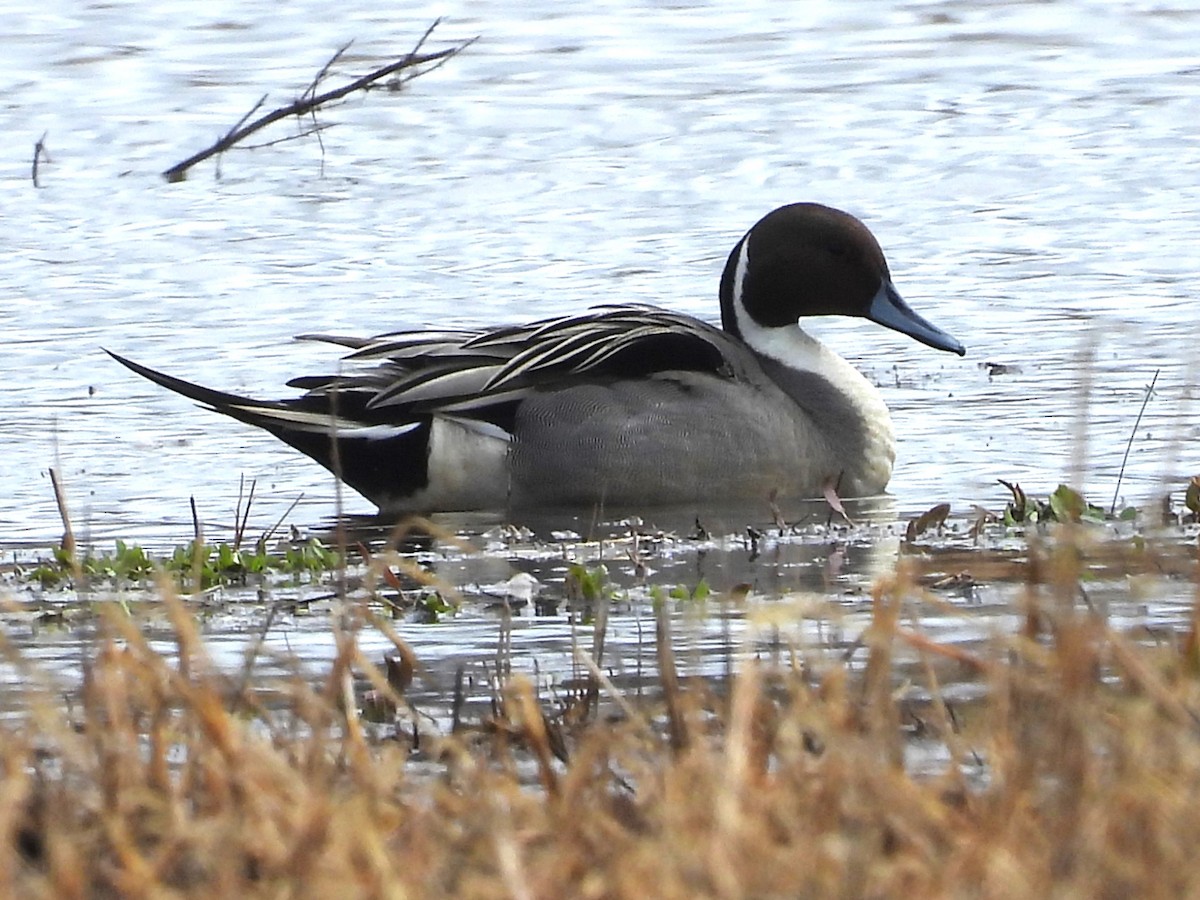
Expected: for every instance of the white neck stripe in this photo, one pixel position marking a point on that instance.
(739, 277)
(789, 344)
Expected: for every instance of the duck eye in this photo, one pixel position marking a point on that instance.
(837, 248)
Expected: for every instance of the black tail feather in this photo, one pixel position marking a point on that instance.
(381, 469)
(220, 401)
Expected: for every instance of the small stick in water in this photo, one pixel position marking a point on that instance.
(1129, 445)
(60, 497)
(39, 151)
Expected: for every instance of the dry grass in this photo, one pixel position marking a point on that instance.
(789, 782)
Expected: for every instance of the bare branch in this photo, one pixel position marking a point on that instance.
(396, 83)
(310, 101)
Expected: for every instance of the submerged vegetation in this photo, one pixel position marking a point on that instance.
(858, 755)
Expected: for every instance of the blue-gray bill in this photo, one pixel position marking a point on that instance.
(889, 310)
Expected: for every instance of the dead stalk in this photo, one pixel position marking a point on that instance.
(669, 677)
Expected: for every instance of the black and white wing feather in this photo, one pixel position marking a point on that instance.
(413, 374)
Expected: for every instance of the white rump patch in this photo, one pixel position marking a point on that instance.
(468, 466)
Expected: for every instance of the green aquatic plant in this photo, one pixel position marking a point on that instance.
(698, 594)
(127, 562)
(1065, 504)
(432, 606)
(659, 595)
(589, 585)
(194, 563)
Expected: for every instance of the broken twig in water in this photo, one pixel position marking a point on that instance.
(39, 151)
(310, 100)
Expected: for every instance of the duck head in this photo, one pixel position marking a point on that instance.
(806, 259)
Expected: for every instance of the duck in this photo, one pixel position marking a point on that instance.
(623, 405)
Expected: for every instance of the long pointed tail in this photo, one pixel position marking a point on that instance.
(380, 459)
(277, 416)
(218, 400)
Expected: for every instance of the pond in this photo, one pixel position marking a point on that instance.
(1027, 168)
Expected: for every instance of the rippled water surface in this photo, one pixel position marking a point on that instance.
(1029, 168)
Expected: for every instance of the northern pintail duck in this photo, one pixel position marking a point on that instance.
(623, 405)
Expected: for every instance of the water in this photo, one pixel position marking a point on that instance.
(1029, 168)
(810, 601)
